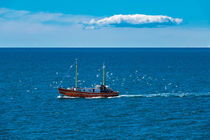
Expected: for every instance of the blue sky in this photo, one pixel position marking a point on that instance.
(92, 23)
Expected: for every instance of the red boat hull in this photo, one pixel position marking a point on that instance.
(73, 93)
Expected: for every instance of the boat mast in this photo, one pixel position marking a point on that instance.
(76, 74)
(103, 75)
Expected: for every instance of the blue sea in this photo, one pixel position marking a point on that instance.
(164, 94)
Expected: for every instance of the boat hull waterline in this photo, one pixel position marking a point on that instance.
(72, 93)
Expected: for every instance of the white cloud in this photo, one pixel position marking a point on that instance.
(39, 17)
(8, 13)
(136, 20)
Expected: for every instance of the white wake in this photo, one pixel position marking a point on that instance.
(143, 95)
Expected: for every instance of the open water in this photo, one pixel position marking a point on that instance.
(164, 94)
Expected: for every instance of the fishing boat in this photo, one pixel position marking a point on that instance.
(98, 91)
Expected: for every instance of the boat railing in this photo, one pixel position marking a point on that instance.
(97, 90)
(87, 89)
(84, 88)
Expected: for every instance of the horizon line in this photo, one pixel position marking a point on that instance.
(131, 47)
